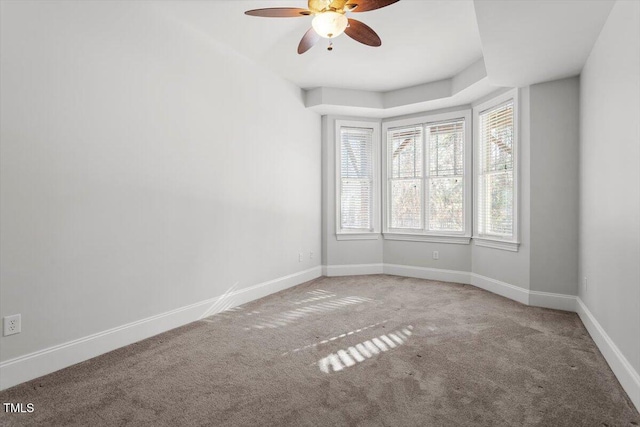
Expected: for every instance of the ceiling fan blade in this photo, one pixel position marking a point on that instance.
(279, 12)
(309, 39)
(367, 5)
(362, 33)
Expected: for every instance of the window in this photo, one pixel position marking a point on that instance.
(405, 177)
(446, 177)
(357, 182)
(428, 178)
(496, 174)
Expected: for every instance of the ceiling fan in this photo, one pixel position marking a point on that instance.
(330, 20)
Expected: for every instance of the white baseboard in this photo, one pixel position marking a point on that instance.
(252, 293)
(500, 288)
(352, 269)
(551, 300)
(42, 362)
(438, 274)
(626, 374)
(516, 293)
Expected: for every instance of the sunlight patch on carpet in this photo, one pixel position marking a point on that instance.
(291, 316)
(344, 335)
(345, 358)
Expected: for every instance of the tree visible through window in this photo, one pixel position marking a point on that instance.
(446, 177)
(431, 198)
(496, 172)
(405, 154)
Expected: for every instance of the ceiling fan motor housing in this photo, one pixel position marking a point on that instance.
(329, 24)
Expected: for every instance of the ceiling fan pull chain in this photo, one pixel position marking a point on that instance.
(330, 48)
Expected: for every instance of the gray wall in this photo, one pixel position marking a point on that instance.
(143, 168)
(420, 254)
(610, 180)
(340, 252)
(346, 252)
(554, 186)
(513, 267)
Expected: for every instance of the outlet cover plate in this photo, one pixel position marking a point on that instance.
(11, 325)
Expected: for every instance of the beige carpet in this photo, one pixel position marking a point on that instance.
(359, 351)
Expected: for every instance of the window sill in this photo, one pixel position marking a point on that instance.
(358, 236)
(496, 244)
(457, 240)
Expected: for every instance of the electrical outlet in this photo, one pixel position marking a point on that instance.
(300, 256)
(12, 325)
(310, 255)
(584, 283)
(436, 255)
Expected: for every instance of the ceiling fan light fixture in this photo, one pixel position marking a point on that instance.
(329, 24)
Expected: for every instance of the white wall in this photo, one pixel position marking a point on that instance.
(610, 180)
(143, 168)
(554, 113)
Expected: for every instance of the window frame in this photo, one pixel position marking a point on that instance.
(424, 235)
(358, 234)
(495, 242)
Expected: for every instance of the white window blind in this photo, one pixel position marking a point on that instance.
(426, 178)
(405, 177)
(356, 179)
(446, 176)
(495, 210)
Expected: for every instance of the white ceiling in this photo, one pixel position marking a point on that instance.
(468, 47)
(422, 41)
(527, 42)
